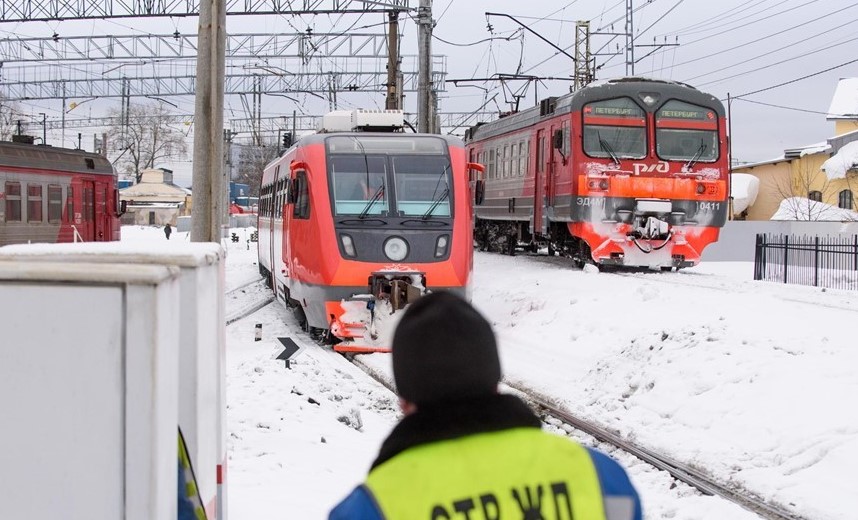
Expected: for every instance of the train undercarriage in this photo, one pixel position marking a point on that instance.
(509, 237)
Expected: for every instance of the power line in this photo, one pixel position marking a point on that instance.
(757, 69)
(783, 107)
(794, 80)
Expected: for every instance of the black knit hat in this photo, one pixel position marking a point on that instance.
(444, 350)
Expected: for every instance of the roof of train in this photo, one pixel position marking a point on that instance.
(23, 155)
(574, 101)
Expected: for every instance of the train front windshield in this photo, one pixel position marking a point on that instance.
(686, 132)
(390, 175)
(614, 128)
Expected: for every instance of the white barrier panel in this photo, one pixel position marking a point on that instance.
(202, 344)
(88, 383)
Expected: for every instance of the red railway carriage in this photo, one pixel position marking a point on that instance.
(629, 172)
(50, 194)
(354, 225)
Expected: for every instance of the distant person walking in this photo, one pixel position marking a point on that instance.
(168, 230)
(462, 450)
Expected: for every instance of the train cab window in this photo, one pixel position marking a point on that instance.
(301, 208)
(34, 203)
(358, 184)
(55, 203)
(686, 132)
(614, 128)
(13, 202)
(423, 185)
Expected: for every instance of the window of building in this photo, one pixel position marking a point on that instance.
(815, 195)
(13, 202)
(34, 203)
(844, 199)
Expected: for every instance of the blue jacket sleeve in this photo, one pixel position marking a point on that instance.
(359, 505)
(621, 499)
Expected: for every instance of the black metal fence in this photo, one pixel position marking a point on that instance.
(808, 260)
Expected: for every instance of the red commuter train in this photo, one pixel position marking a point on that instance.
(50, 194)
(627, 172)
(353, 225)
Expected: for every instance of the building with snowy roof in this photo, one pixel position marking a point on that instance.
(155, 200)
(825, 172)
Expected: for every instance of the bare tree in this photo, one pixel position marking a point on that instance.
(252, 161)
(9, 113)
(146, 140)
(803, 190)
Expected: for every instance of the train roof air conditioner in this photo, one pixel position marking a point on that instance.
(360, 120)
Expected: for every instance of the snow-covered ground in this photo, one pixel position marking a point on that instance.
(752, 381)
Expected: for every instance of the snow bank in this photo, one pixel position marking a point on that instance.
(744, 189)
(839, 163)
(800, 208)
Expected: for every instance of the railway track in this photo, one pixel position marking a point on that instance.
(679, 471)
(239, 308)
(692, 476)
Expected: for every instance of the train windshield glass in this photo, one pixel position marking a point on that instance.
(423, 185)
(614, 128)
(686, 132)
(359, 184)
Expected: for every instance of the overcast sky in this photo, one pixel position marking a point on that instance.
(731, 46)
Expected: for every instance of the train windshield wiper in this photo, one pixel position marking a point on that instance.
(607, 148)
(375, 198)
(697, 156)
(441, 197)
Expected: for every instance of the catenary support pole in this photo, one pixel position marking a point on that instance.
(425, 117)
(208, 212)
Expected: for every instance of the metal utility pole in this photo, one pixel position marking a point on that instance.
(583, 72)
(425, 114)
(209, 188)
(394, 99)
(44, 128)
(630, 39)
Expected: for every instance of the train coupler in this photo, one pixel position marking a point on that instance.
(398, 288)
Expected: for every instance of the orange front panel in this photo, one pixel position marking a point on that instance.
(657, 188)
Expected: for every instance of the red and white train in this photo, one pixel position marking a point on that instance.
(626, 172)
(353, 225)
(50, 194)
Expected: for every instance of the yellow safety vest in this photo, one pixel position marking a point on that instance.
(521, 473)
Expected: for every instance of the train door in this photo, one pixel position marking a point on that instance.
(87, 228)
(552, 168)
(276, 209)
(101, 214)
(537, 224)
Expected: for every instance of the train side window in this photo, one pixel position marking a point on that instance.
(301, 209)
(70, 205)
(55, 203)
(34, 203)
(13, 202)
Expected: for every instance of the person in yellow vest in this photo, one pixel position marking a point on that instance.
(464, 451)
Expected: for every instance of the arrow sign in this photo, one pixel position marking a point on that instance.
(289, 350)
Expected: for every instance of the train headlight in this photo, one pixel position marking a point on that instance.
(396, 248)
(441, 246)
(348, 245)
